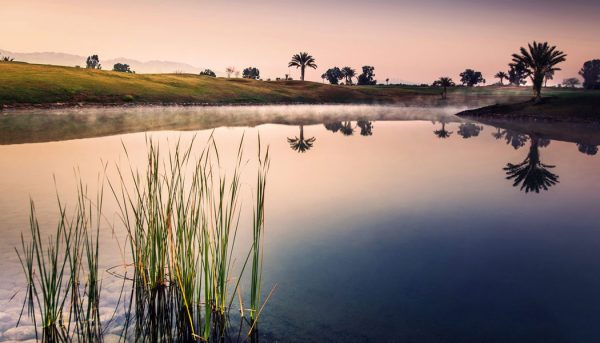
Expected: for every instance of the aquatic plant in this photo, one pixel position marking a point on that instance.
(181, 217)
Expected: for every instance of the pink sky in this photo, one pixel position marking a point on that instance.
(414, 41)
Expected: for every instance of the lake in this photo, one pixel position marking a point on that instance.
(383, 224)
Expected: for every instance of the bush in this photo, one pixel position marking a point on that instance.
(128, 98)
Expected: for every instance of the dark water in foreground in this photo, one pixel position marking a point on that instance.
(380, 231)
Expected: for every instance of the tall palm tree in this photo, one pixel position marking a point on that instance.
(301, 144)
(531, 174)
(501, 75)
(348, 73)
(444, 82)
(302, 60)
(538, 60)
(442, 133)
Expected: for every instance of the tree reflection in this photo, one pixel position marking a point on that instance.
(468, 130)
(442, 133)
(334, 126)
(515, 139)
(498, 134)
(347, 129)
(366, 127)
(301, 144)
(531, 174)
(587, 149)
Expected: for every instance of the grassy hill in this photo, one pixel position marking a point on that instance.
(22, 83)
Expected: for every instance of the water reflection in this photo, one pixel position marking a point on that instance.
(516, 139)
(531, 174)
(346, 128)
(366, 127)
(468, 130)
(587, 149)
(442, 133)
(301, 144)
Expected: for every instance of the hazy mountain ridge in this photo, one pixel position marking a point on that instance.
(71, 60)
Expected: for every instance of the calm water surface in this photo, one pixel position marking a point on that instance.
(383, 231)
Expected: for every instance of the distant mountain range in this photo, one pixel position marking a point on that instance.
(62, 59)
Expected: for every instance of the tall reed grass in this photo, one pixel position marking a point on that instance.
(181, 213)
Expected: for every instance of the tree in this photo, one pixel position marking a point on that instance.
(539, 59)
(387, 81)
(302, 60)
(334, 75)
(591, 74)
(501, 75)
(251, 73)
(229, 71)
(323, 77)
(531, 174)
(549, 76)
(366, 78)
(470, 77)
(571, 82)
(517, 74)
(121, 67)
(208, 72)
(93, 62)
(348, 73)
(444, 82)
(6, 58)
(300, 144)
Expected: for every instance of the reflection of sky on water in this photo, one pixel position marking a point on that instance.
(391, 235)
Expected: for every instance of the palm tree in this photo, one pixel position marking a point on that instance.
(538, 60)
(442, 133)
(531, 174)
(300, 144)
(549, 76)
(444, 82)
(302, 60)
(323, 77)
(501, 75)
(348, 73)
(387, 81)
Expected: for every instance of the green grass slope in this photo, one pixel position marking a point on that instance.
(22, 83)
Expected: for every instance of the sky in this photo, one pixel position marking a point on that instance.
(405, 40)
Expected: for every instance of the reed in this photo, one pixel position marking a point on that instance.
(181, 213)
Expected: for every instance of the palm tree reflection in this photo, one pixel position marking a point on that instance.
(366, 127)
(531, 174)
(442, 133)
(301, 144)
